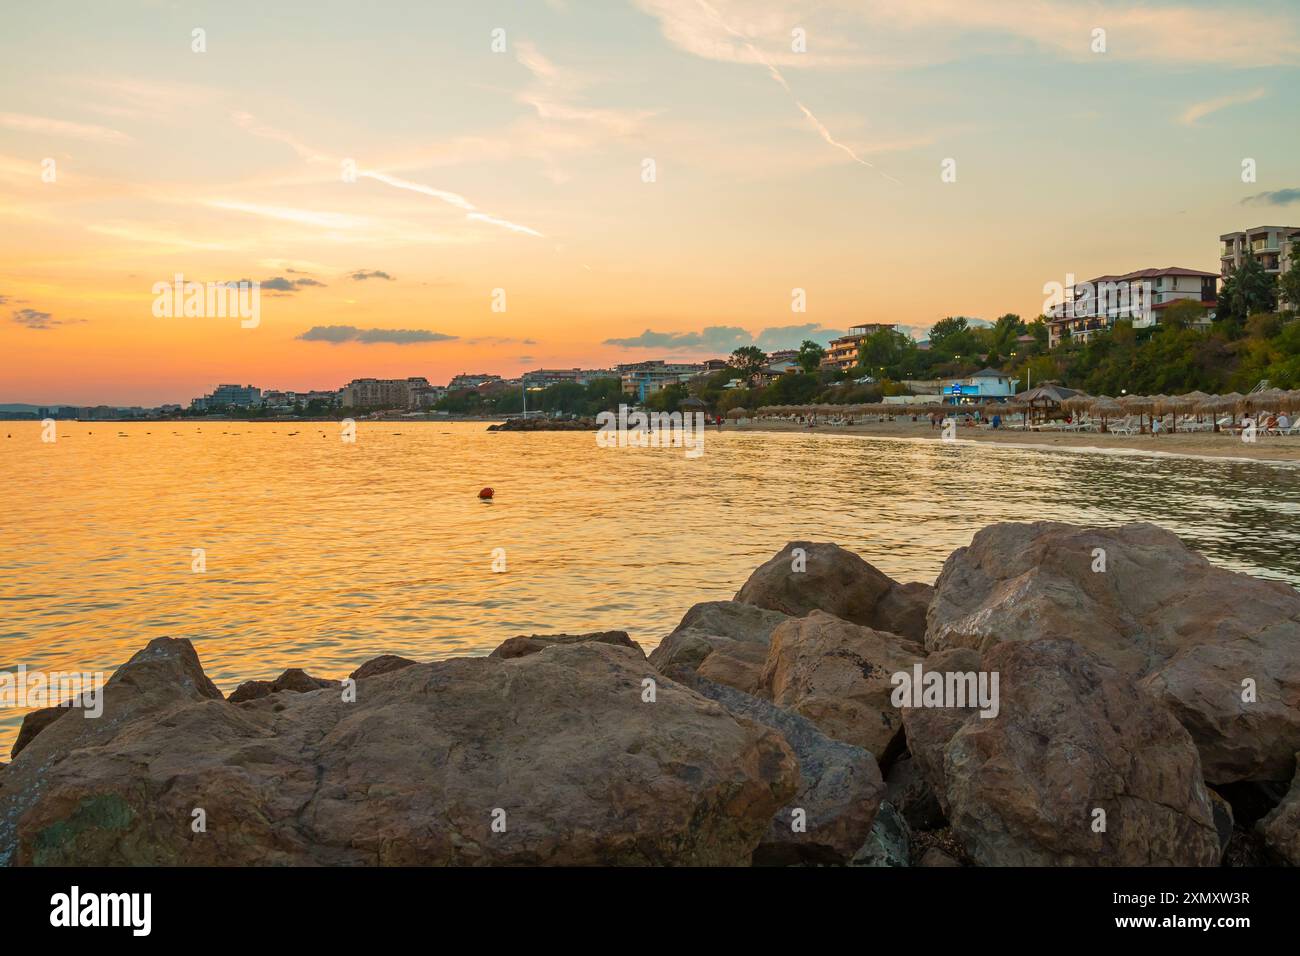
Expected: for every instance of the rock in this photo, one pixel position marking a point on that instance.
(840, 583)
(294, 680)
(34, 722)
(890, 841)
(1223, 821)
(839, 788)
(531, 644)
(838, 675)
(1188, 631)
(726, 641)
(1281, 828)
(558, 746)
(383, 664)
(1072, 736)
(907, 790)
(936, 857)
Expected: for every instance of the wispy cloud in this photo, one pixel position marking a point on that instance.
(54, 127)
(727, 338)
(1198, 111)
(779, 77)
(41, 321)
(362, 275)
(887, 33)
(1276, 197)
(338, 334)
(472, 212)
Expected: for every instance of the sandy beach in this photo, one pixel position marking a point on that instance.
(1199, 444)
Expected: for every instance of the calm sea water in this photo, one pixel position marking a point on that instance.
(322, 554)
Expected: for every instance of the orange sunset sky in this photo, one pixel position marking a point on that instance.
(521, 168)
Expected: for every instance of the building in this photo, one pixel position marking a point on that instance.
(843, 352)
(1276, 247)
(1140, 296)
(471, 380)
(986, 385)
(240, 396)
(382, 392)
(545, 377)
(645, 378)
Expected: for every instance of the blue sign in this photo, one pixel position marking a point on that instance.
(956, 388)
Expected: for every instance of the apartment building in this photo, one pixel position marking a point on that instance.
(543, 377)
(382, 392)
(843, 351)
(243, 396)
(1276, 247)
(645, 378)
(1140, 296)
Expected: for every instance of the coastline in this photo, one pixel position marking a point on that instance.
(1266, 450)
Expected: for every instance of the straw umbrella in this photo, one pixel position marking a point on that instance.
(1136, 405)
(1175, 405)
(1104, 407)
(740, 412)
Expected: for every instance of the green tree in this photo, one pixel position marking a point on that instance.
(1288, 284)
(810, 356)
(1247, 290)
(946, 329)
(749, 359)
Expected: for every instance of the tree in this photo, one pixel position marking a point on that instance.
(749, 359)
(1288, 284)
(1247, 290)
(1182, 314)
(945, 329)
(810, 356)
(1005, 331)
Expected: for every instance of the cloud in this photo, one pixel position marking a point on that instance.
(1276, 197)
(41, 321)
(361, 275)
(52, 127)
(337, 334)
(886, 33)
(727, 338)
(281, 284)
(1199, 110)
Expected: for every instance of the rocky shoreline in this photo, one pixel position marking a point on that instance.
(545, 425)
(1119, 701)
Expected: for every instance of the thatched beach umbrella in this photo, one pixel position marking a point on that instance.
(740, 412)
(1105, 407)
(1138, 405)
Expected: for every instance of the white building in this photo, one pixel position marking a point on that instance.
(1140, 296)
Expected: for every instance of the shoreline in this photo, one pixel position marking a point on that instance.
(1266, 450)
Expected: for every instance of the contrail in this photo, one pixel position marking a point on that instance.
(776, 75)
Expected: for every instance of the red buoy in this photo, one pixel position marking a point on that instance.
(486, 494)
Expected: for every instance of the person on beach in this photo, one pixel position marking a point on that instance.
(1155, 428)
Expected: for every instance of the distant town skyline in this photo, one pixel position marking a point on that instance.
(580, 184)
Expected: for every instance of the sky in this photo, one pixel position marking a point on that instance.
(433, 188)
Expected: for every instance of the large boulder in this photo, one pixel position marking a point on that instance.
(1218, 648)
(1281, 827)
(532, 643)
(724, 641)
(814, 576)
(553, 758)
(839, 785)
(1071, 737)
(839, 676)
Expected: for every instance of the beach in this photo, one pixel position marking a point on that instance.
(1198, 444)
